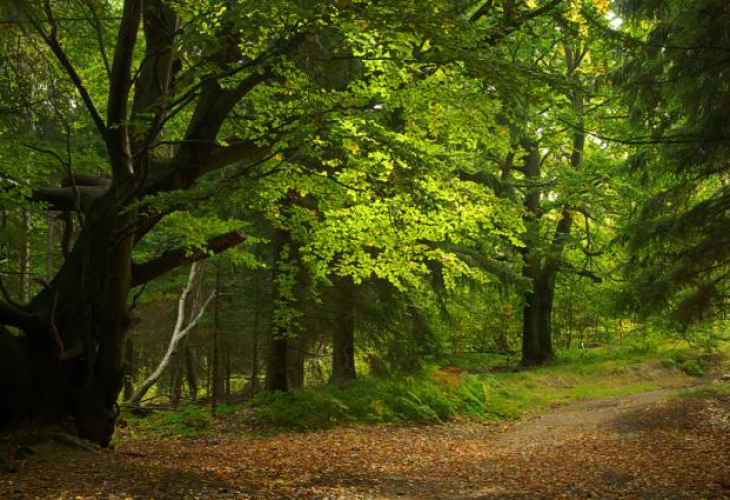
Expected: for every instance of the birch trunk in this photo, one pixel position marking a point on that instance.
(179, 333)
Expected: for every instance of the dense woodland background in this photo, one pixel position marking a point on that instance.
(202, 200)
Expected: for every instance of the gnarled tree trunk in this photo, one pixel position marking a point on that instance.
(65, 365)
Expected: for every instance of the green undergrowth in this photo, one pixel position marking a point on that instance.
(706, 391)
(186, 421)
(493, 395)
(482, 390)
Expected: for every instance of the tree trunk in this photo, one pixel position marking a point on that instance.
(570, 322)
(25, 258)
(343, 341)
(537, 345)
(192, 378)
(217, 383)
(175, 381)
(255, 346)
(50, 242)
(537, 305)
(228, 372)
(130, 369)
(74, 349)
(276, 366)
(180, 331)
(296, 358)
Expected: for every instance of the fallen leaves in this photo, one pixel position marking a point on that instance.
(635, 447)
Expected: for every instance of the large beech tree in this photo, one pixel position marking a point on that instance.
(180, 102)
(169, 82)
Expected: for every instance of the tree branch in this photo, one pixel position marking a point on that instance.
(152, 87)
(481, 11)
(120, 85)
(171, 259)
(52, 41)
(582, 272)
(15, 316)
(68, 198)
(99, 29)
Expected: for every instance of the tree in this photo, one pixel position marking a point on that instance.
(187, 91)
(182, 329)
(674, 80)
(544, 168)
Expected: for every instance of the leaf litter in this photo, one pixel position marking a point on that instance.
(643, 446)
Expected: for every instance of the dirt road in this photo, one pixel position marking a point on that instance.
(643, 446)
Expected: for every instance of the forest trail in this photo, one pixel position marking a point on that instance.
(643, 446)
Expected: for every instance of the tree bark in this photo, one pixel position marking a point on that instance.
(276, 365)
(296, 360)
(191, 376)
(50, 242)
(130, 369)
(343, 339)
(537, 345)
(216, 372)
(25, 258)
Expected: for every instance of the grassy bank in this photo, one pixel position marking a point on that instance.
(468, 388)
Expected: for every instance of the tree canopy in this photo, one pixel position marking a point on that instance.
(378, 183)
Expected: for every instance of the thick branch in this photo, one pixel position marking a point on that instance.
(482, 11)
(14, 316)
(67, 198)
(87, 180)
(513, 24)
(169, 176)
(586, 273)
(211, 110)
(172, 259)
(119, 87)
(160, 24)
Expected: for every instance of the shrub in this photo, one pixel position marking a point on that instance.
(423, 400)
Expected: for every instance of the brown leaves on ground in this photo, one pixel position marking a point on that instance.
(640, 446)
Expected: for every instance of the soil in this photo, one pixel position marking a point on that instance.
(643, 446)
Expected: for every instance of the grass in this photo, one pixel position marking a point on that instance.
(705, 391)
(186, 421)
(452, 392)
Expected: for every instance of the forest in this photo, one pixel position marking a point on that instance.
(248, 249)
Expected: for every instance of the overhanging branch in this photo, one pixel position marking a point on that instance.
(67, 198)
(14, 316)
(172, 259)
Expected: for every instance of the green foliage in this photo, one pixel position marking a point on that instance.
(679, 260)
(422, 400)
(188, 421)
(451, 393)
(693, 364)
(707, 391)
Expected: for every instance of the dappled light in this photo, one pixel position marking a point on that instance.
(453, 249)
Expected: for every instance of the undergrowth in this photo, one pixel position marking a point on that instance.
(455, 391)
(430, 400)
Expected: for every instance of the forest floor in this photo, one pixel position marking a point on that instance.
(652, 445)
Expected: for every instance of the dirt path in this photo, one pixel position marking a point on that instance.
(572, 422)
(635, 447)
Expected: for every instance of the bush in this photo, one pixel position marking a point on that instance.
(421, 400)
(690, 363)
(187, 421)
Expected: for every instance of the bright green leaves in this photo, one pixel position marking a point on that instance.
(395, 238)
